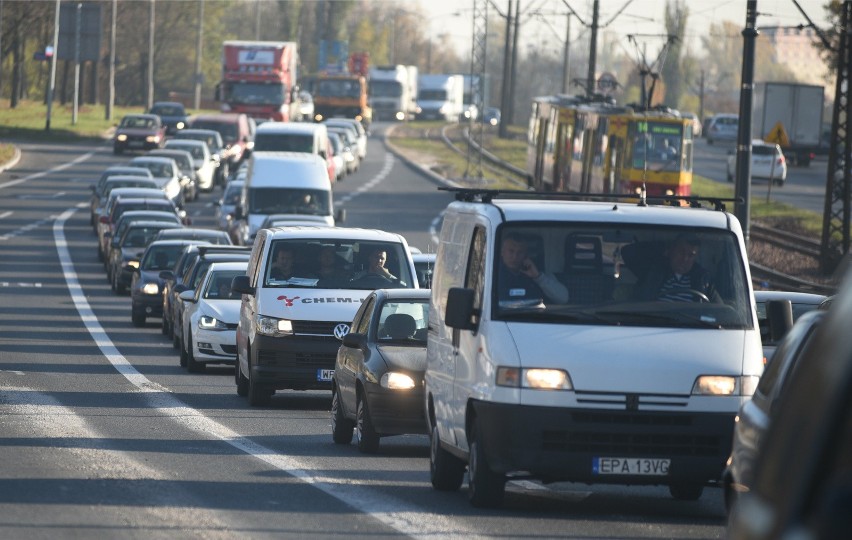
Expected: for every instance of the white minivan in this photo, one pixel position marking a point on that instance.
(284, 183)
(595, 342)
(298, 137)
(300, 294)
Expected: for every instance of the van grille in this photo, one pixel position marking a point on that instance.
(296, 359)
(315, 328)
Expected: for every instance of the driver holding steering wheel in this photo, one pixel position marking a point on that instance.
(683, 279)
(376, 271)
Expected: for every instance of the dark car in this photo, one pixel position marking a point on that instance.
(172, 113)
(491, 116)
(215, 144)
(101, 194)
(193, 271)
(802, 486)
(754, 414)
(424, 264)
(139, 132)
(378, 375)
(236, 132)
(97, 188)
(118, 206)
(146, 287)
(128, 250)
(800, 303)
(124, 221)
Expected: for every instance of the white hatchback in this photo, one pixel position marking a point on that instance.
(767, 161)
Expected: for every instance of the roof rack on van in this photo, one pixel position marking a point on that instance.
(487, 195)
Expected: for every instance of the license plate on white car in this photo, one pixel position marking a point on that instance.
(630, 466)
(324, 374)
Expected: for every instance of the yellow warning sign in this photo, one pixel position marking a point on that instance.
(778, 136)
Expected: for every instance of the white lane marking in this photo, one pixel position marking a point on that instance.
(27, 228)
(400, 515)
(62, 167)
(386, 169)
(22, 284)
(6, 214)
(36, 197)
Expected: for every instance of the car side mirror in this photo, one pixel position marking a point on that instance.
(167, 275)
(354, 340)
(459, 312)
(242, 285)
(180, 287)
(340, 216)
(187, 296)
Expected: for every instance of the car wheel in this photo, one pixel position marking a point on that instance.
(445, 470)
(365, 432)
(686, 492)
(258, 395)
(119, 287)
(192, 365)
(241, 381)
(485, 487)
(164, 328)
(175, 335)
(137, 318)
(341, 427)
(183, 356)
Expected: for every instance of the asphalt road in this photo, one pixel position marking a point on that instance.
(102, 434)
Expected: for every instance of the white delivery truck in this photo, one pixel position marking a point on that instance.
(790, 115)
(596, 342)
(440, 97)
(392, 93)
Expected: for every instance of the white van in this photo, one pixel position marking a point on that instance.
(288, 183)
(295, 137)
(562, 346)
(300, 293)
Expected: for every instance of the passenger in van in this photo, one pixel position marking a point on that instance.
(520, 279)
(678, 277)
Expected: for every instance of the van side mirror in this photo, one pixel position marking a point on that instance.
(459, 313)
(780, 315)
(242, 285)
(354, 340)
(340, 216)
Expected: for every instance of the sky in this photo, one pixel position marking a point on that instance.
(639, 17)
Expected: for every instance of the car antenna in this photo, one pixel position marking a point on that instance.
(643, 195)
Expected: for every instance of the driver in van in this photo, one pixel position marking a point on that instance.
(376, 267)
(679, 278)
(520, 279)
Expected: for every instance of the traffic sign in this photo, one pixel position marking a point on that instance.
(778, 135)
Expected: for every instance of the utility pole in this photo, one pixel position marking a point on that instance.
(256, 19)
(701, 98)
(566, 56)
(743, 187)
(503, 130)
(52, 88)
(111, 78)
(593, 50)
(78, 23)
(511, 111)
(478, 54)
(150, 96)
(198, 49)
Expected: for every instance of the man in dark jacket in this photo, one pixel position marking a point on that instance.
(677, 277)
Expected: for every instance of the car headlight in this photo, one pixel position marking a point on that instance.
(180, 125)
(397, 381)
(211, 323)
(725, 385)
(151, 288)
(270, 326)
(152, 138)
(122, 137)
(400, 116)
(133, 264)
(536, 378)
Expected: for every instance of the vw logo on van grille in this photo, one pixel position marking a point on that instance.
(341, 330)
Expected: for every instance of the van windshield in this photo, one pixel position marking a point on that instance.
(276, 200)
(284, 142)
(625, 275)
(337, 264)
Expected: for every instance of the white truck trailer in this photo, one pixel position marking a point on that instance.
(393, 92)
(789, 114)
(440, 97)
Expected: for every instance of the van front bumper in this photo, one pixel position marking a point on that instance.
(293, 362)
(559, 444)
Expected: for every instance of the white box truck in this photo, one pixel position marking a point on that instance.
(440, 97)
(393, 92)
(789, 114)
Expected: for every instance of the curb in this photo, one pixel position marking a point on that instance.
(12, 162)
(396, 152)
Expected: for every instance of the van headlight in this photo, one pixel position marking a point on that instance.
(270, 326)
(397, 381)
(211, 323)
(725, 385)
(536, 378)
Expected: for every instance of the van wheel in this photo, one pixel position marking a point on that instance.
(241, 380)
(365, 432)
(445, 470)
(257, 394)
(486, 488)
(686, 492)
(191, 364)
(341, 427)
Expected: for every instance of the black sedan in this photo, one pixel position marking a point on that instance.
(378, 376)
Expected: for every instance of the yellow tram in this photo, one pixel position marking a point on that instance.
(575, 144)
